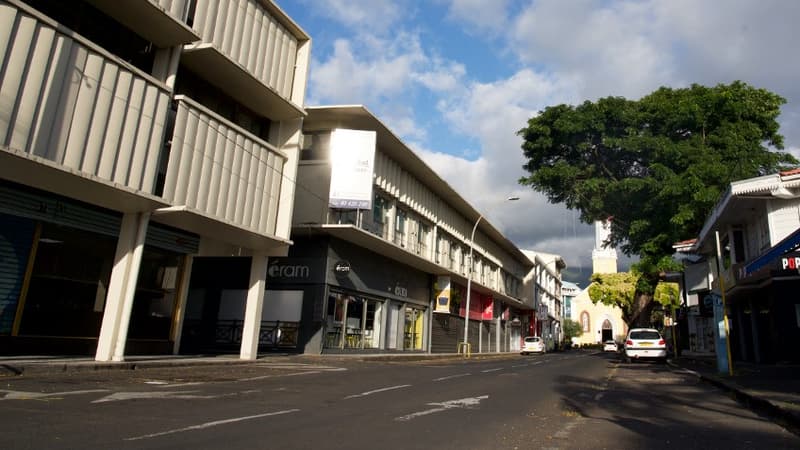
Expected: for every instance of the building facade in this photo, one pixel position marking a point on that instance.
(545, 281)
(381, 254)
(746, 261)
(599, 322)
(144, 145)
(696, 316)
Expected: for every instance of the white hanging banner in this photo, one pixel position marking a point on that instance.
(352, 163)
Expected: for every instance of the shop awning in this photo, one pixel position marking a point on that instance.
(790, 243)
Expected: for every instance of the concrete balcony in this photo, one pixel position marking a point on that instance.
(221, 180)
(159, 21)
(74, 119)
(254, 52)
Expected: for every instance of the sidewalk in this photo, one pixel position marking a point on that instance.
(773, 390)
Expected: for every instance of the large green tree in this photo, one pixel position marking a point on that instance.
(620, 290)
(656, 166)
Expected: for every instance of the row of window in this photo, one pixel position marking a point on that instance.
(401, 225)
(410, 231)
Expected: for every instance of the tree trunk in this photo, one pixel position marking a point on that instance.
(641, 311)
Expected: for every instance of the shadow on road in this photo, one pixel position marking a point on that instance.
(658, 404)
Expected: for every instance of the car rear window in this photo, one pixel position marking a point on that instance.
(652, 335)
(531, 339)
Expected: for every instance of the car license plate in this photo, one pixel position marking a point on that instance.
(645, 344)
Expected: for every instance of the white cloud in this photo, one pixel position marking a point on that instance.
(444, 76)
(349, 76)
(492, 113)
(373, 15)
(600, 46)
(480, 15)
(632, 48)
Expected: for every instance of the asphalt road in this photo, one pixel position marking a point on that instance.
(571, 400)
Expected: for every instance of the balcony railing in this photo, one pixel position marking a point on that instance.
(65, 100)
(223, 171)
(248, 34)
(228, 333)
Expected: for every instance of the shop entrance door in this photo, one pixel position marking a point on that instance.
(608, 332)
(412, 331)
(515, 338)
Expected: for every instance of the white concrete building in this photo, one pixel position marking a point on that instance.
(748, 252)
(381, 255)
(545, 281)
(137, 138)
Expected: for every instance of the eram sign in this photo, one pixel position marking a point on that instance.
(292, 271)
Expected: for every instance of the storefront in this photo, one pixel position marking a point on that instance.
(494, 326)
(354, 300)
(58, 256)
(763, 309)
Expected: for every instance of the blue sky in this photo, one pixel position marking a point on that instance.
(455, 79)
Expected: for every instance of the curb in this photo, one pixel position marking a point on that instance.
(38, 367)
(43, 368)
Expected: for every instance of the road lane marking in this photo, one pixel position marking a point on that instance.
(463, 403)
(452, 376)
(521, 365)
(210, 424)
(491, 370)
(391, 388)
(120, 396)
(22, 395)
(188, 383)
(299, 366)
(262, 377)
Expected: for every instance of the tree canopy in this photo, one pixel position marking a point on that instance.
(654, 167)
(620, 290)
(657, 165)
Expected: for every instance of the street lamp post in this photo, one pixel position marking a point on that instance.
(469, 278)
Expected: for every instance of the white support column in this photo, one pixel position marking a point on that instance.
(165, 65)
(180, 311)
(499, 332)
(480, 334)
(287, 134)
(434, 255)
(253, 308)
(392, 216)
(122, 287)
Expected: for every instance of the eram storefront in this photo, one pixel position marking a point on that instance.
(350, 299)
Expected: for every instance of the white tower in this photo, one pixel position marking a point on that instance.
(604, 259)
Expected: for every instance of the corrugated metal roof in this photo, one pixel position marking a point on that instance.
(787, 173)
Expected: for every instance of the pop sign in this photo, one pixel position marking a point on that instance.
(791, 262)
